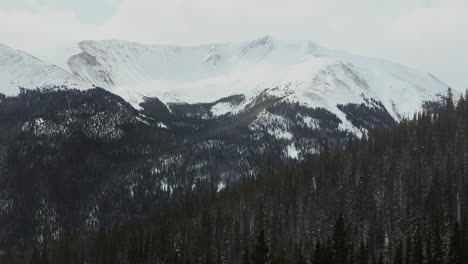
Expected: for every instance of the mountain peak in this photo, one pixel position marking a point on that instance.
(9, 54)
(18, 68)
(264, 40)
(300, 70)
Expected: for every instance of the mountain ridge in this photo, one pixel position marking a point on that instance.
(295, 71)
(21, 69)
(124, 159)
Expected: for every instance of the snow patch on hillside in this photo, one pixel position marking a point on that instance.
(292, 151)
(274, 125)
(222, 108)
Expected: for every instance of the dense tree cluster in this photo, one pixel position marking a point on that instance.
(78, 161)
(398, 197)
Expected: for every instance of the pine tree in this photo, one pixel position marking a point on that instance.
(299, 255)
(398, 258)
(455, 251)
(418, 257)
(318, 256)
(45, 253)
(363, 257)
(36, 257)
(436, 254)
(449, 100)
(408, 251)
(380, 259)
(464, 238)
(246, 256)
(262, 250)
(351, 254)
(340, 242)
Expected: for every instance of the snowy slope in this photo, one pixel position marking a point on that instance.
(18, 68)
(300, 70)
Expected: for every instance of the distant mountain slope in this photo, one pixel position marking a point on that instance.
(18, 68)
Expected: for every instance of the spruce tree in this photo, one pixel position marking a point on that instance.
(262, 250)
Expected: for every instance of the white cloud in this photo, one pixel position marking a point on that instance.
(42, 29)
(428, 34)
(431, 38)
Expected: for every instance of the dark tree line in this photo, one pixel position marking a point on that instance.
(339, 248)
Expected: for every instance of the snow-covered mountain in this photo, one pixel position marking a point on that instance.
(208, 115)
(18, 68)
(294, 71)
(300, 71)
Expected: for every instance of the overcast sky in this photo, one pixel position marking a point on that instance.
(431, 35)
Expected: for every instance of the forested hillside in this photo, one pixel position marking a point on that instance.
(76, 161)
(400, 197)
